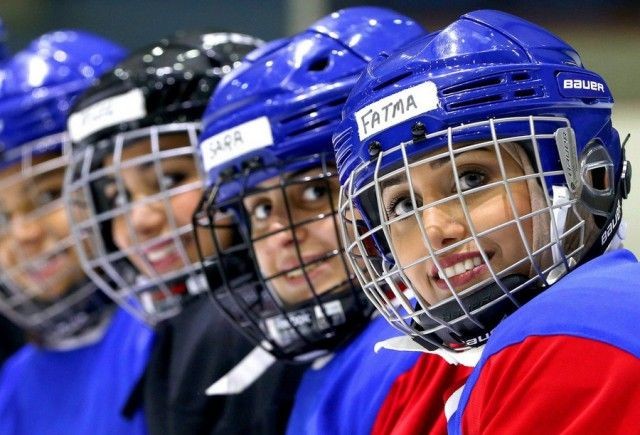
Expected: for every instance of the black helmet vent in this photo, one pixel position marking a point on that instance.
(320, 64)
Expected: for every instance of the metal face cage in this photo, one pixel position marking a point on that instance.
(42, 287)
(283, 279)
(471, 219)
(130, 200)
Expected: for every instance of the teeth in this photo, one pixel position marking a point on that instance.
(299, 272)
(460, 267)
(159, 254)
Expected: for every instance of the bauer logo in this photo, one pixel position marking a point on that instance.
(396, 108)
(582, 86)
(107, 113)
(236, 141)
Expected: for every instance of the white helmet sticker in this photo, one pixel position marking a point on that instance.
(106, 113)
(236, 141)
(396, 108)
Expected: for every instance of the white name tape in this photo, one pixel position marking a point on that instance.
(234, 142)
(106, 113)
(396, 108)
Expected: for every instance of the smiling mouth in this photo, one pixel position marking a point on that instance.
(163, 257)
(44, 271)
(460, 267)
(459, 270)
(297, 273)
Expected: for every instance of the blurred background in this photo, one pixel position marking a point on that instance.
(605, 32)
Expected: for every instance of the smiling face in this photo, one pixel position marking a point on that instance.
(442, 224)
(162, 192)
(295, 235)
(36, 254)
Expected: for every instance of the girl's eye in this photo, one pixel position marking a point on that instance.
(261, 211)
(399, 207)
(471, 179)
(49, 195)
(403, 206)
(172, 179)
(314, 193)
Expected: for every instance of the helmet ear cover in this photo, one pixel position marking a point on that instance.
(598, 186)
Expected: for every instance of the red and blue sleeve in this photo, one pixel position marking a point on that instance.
(556, 384)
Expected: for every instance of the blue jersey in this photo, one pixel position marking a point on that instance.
(568, 361)
(80, 391)
(345, 395)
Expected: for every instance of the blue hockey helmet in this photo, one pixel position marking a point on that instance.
(275, 116)
(494, 83)
(41, 287)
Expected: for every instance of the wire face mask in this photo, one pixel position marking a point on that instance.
(479, 166)
(131, 200)
(44, 289)
(470, 227)
(133, 183)
(285, 278)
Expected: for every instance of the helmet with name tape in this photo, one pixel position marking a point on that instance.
(133, 182)
(42, 287)
(490, 108)
(272, 119)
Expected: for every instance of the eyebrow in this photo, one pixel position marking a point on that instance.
(46, 176)
(434, 164)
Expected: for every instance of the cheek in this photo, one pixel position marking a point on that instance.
(184, 205)
(119, 233)
(6, 259)
(207, 244)
(264, 255)
(56, 224)
(407, 241)
(326, 233)
(497, 211)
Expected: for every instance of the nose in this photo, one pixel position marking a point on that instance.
(148, 219)
(284, 232)
(442, 228)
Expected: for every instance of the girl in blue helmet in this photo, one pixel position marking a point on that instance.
(271, 177)
(480, 169)
(85, 357)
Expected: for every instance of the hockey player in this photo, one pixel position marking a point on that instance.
(133, 186)
(481, 170)
(84, 357)
(266, 148)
